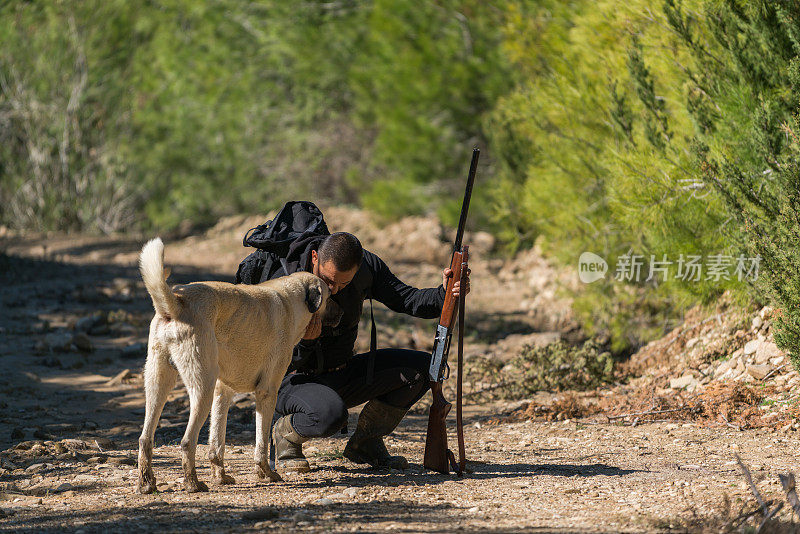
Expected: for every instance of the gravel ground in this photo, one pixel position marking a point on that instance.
(526, 476)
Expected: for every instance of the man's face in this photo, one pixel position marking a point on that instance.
(334, 278)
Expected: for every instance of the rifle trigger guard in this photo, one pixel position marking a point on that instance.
(446, 371)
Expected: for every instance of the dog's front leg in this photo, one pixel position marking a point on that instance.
(216, 433)
(265, 408)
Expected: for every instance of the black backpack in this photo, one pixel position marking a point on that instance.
(297, 220)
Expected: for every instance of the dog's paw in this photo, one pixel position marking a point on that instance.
(265, 474)
(195, 486)
(224, 480)
(146, 484)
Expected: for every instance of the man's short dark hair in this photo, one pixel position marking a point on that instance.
(343, 249)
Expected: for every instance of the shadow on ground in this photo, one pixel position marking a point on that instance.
(163, 516)
(44, 392)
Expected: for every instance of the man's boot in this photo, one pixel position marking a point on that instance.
(366, 446)
(289, 447)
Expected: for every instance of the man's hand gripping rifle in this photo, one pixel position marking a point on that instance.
(437, 456)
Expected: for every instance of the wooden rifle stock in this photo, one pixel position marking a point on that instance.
(436, 452)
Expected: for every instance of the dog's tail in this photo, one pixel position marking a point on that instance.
(151, 265)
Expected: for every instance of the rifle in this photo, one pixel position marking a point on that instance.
(437, 456)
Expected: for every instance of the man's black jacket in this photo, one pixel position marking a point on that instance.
(373, 280)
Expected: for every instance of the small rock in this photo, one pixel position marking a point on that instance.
(82, 342)
(324, 501)
(75, 444)
(135, 350)
(751, 347)
(8, 464)
(351, 492)
(300, 515)
(99, 330)
(59, 341)
(724, 366)
(259, 514)
(766, 351)
(64, 486)
(121, 460)
(35, 468)
(757, 322)
(692, 342)
(682, 382)
(84, 324)
(758, 371)
(96, 460)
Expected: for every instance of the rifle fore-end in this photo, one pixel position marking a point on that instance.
(450, 306)
(436, 458)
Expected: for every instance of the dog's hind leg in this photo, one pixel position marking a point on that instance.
(265, 409)
(199, 373)
(159, 379)
(216, 434)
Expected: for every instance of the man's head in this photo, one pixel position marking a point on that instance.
(337, 260)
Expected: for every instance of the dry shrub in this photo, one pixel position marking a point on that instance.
(567, 406)
(733, 403)
(730, 403)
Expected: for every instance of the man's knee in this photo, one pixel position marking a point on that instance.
(417, 360)
(326, 420)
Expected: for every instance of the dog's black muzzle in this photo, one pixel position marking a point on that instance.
(333, 314)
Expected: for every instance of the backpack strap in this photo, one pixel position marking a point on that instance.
(248, 234)
(373, 346)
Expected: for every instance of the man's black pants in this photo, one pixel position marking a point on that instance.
(319, 403)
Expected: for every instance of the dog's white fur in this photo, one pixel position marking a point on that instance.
(221, 338)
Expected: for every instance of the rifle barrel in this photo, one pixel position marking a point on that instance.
(462, 221)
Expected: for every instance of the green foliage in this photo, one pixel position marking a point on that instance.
(597, 149)
(749, 149)
(117, 114)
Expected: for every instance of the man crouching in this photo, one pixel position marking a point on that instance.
(326, 378)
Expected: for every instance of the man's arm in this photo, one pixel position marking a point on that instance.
(397, 296)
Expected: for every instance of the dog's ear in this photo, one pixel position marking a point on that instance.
(313, 298)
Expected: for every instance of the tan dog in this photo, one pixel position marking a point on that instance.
(221, 338)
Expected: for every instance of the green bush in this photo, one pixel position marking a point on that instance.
(118, 115)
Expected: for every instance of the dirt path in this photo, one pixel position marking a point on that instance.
(73, 320)
(527, 476)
